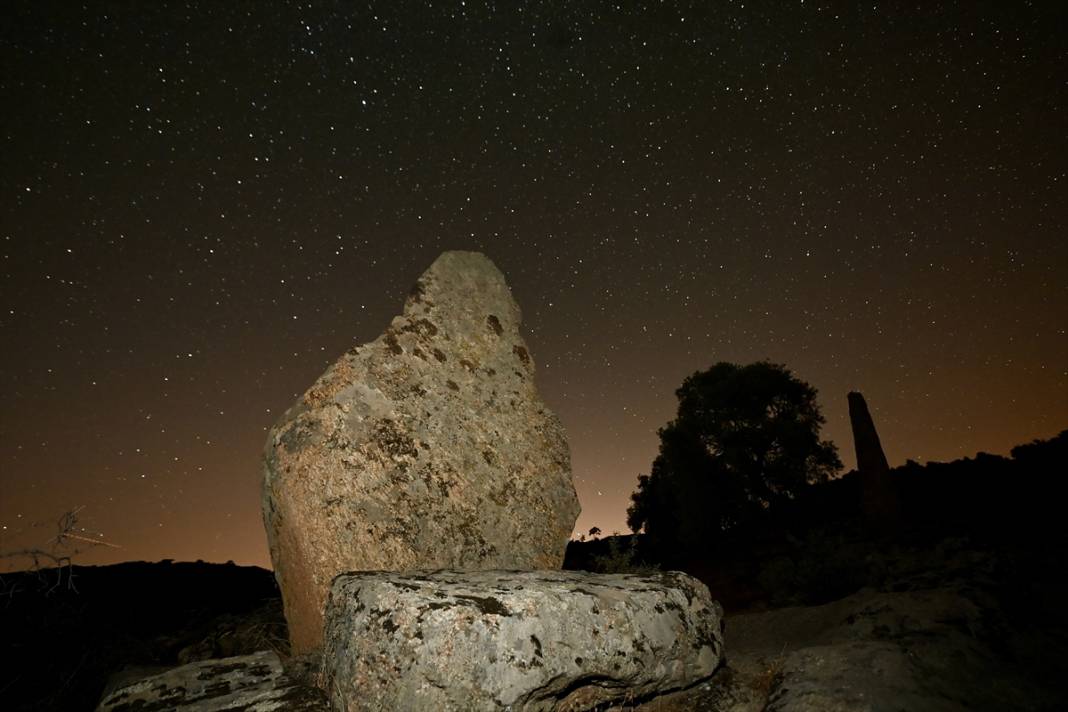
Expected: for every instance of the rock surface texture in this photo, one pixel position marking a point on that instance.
(939, 650)
(497, 640)
(255, 683)
(426, 448)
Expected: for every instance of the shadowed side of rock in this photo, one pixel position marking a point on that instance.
(869, 451)
(426, 448)
(879, 499)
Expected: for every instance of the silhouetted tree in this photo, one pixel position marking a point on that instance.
(744, 437)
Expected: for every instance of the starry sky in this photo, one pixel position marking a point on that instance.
(204, 204)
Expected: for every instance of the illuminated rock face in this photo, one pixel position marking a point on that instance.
(509, 640)
(426, 448)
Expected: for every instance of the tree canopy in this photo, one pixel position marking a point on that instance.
(744, 437)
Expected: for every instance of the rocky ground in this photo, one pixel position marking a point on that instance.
(67, 633)
(960, 628)
(981, 630)
(910, 650)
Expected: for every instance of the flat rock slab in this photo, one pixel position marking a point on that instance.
(255, 683)
(428, 448)
(530, 640)
(944, 650)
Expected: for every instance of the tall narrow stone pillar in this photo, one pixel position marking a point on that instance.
(870, 457)
(878, 498)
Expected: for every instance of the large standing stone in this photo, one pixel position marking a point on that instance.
(496, 640)
(426, 448)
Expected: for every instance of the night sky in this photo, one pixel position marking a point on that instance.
(204, 204)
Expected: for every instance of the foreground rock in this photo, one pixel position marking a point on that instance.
(255, 683)
(496, 640)
(940, 650)
(427, 448)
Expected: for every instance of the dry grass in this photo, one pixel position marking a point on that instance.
(270, 634)
(771, 672)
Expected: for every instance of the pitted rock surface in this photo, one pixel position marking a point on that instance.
(255, 683)
(426, 448)
(496, 640)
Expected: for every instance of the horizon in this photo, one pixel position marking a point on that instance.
(86, 557)
(203, 206)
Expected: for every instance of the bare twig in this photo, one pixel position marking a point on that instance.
(69, 541)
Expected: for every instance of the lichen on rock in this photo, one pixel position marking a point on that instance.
(426, 448)
(513, 640)
(255, 683)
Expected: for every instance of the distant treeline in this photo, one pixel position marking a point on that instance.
(984, 496)
(820, 545)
